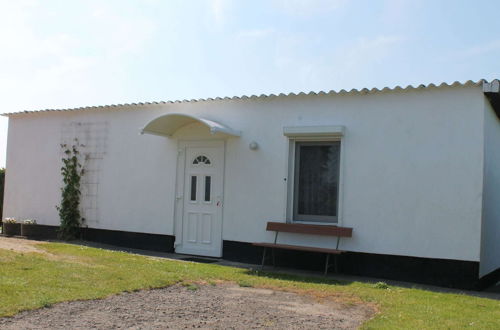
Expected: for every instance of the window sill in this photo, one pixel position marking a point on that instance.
(321, 223)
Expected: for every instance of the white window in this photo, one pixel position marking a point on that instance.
(314, 174)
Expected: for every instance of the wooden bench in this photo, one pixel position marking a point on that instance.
(324, 230)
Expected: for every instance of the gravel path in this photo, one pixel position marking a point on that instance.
(209, 307)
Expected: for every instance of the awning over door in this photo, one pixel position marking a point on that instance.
(167, 125)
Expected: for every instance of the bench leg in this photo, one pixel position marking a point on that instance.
(263, 258)
(327, 263)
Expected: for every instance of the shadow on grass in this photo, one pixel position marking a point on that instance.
(279, 275)
(295, 278)
(248, 268)
(372, 282)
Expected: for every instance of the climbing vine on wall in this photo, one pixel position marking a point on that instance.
(69, 209)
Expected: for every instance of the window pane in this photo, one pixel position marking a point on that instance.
(208, 181)
(193, 188)
(317, 178)
(201, 160)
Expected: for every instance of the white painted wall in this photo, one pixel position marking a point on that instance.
(490, 240)
(412, 177)
(130, 198)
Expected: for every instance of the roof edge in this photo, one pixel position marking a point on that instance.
(481, 82)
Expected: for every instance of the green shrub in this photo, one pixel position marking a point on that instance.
(69, 210)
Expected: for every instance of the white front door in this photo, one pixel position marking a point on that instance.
(199, 198)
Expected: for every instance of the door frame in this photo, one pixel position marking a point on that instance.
(180, 178)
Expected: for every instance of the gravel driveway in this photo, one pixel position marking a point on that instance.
(209, 307)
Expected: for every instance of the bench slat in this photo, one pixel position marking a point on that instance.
(299, 248)
(299, 228)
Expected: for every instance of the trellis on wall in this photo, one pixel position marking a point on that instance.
(92, 138)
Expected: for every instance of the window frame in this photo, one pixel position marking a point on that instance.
(312, 218)
(290, 179)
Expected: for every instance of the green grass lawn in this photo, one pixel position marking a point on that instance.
(73, 272)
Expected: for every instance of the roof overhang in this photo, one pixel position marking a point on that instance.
(167, 125)
(492, 92)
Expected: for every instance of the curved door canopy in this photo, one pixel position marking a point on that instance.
(167, 125)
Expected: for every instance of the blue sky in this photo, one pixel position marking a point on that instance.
(58, 54)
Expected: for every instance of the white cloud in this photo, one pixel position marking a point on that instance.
(366, 50)
(119, 32)
(344, 66)
(362, 60)
(478, 50)
(63, 67)
(219, 10)
(305, 8)
(255, 33)
(400, 12)
(287, 52)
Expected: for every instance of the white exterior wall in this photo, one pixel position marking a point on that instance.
(130, 198)
(490, 239)
(412, 176)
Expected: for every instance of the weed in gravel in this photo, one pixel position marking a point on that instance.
(190, 286)
(245, 284)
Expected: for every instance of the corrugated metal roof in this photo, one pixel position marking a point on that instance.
(262, 96)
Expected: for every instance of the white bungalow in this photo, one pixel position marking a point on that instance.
(415, 172)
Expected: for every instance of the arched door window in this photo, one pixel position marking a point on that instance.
(201, 160)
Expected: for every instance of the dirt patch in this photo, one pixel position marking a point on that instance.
(209, 307)
(21, 245)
